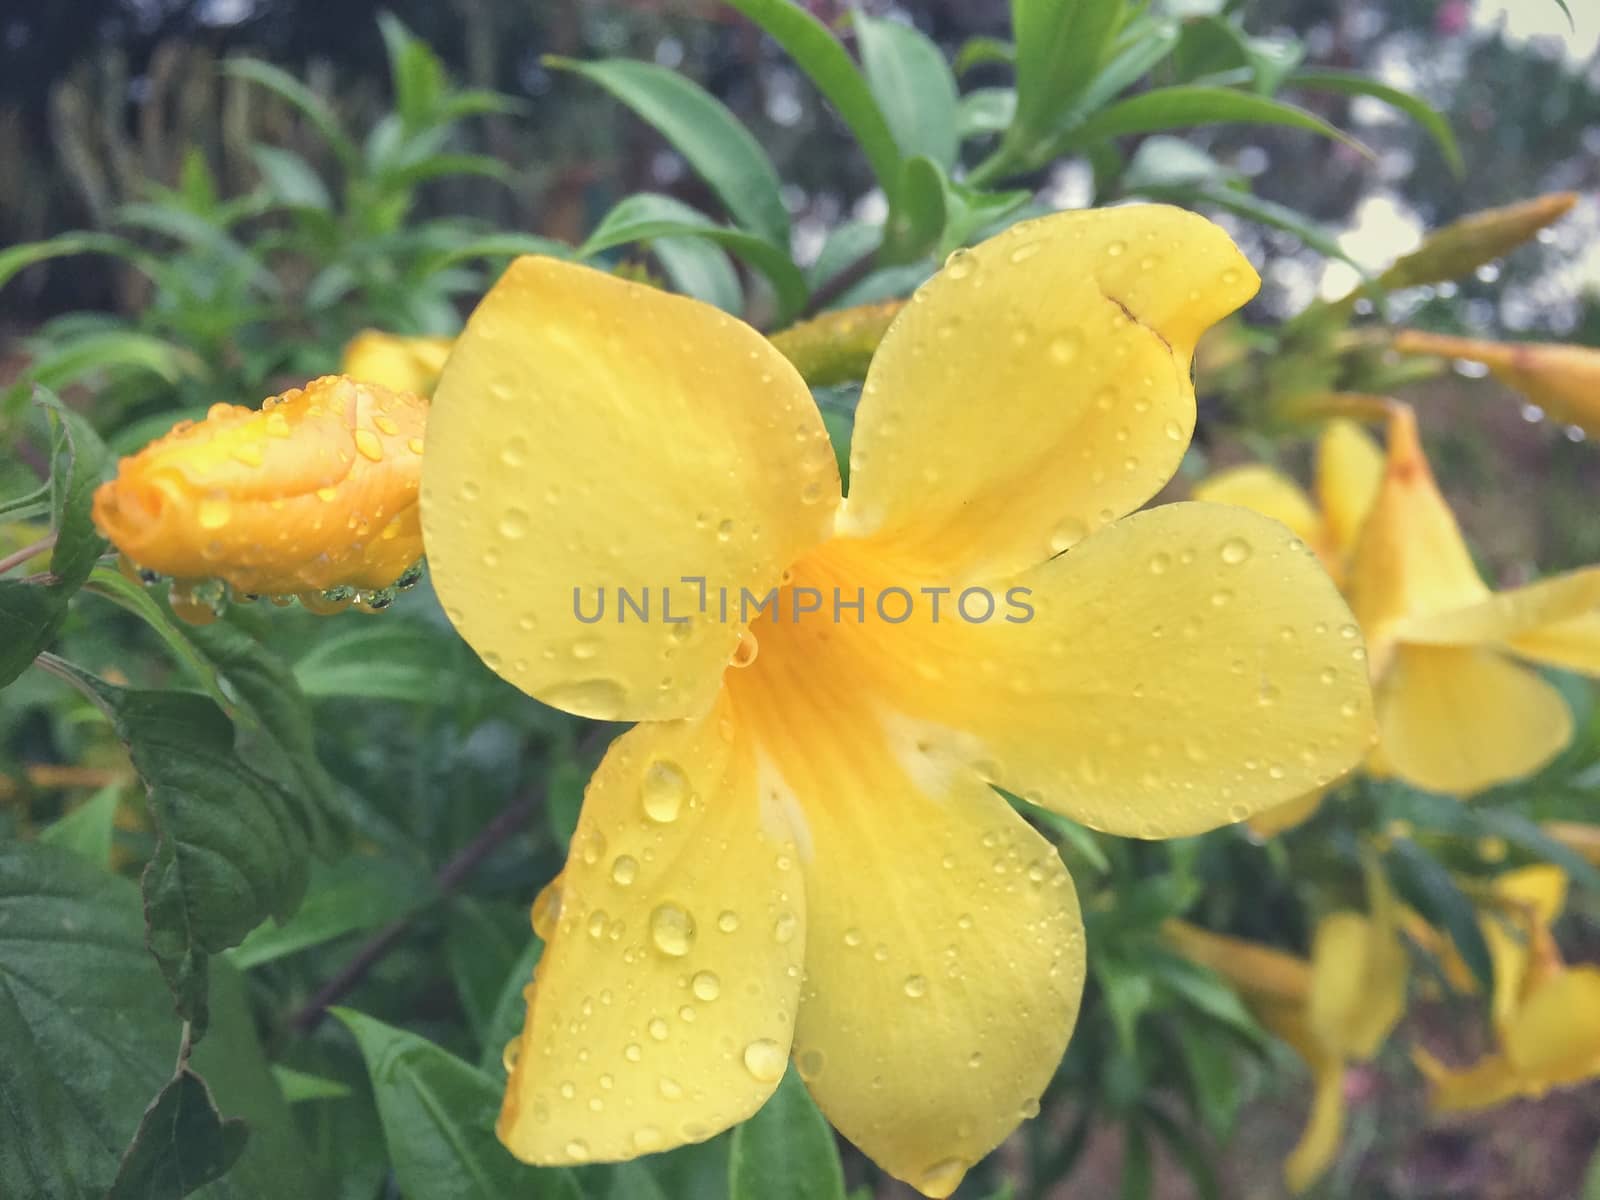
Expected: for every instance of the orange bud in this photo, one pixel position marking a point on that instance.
(401, 364)
(1562, 380)
(316, 490)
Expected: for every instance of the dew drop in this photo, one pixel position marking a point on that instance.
(939, 1180)
(1160, 563)
(1234, 551)
(647, 1138)
(277, 425)
(670, 1089)
(514, 524)
(672, 929)
(916, 987)
(632, 1052)
(706, 986)
(624, 870)
(1068, 533)
(663, 791)
(1063, 348)
(745, 652)
(765, 1060)
(509, 1053)
(657, 1029)
(578, 1150)
(214, 512)
(960, 265)
(369, 446)
(784, 928)
(1024, 252)
(728, 921)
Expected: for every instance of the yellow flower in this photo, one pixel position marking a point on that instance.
(1337, 1008)
(1546, 1015)
(797, 851)
(1562, 380)
(1455, 714)
(401, 364)
(317, 489)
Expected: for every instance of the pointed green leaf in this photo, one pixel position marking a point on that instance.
(438, 1118)
(1419, 110)
(1060, 47)
(786, 1151)
(182, 1144)
(1187, 106)
(718, 147)
(913, 87)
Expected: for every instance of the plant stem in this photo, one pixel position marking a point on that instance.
(839, 284)
(21, 556)
(446, 881)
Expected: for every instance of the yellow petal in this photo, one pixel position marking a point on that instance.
(1563, 380)
(1573, 645)
(1555, 1038)
(1350, 469)
(1260, 972)
(945, 955)
(1358, 984)
(663, 1009)
(1319, 1143)
(1460, 720)
(1038, 387)
(1506, 616)
(1263, 490)
(591, 434)
(1286, 816)
(316, 489)
(1540, 890)
(402, 364)
(1410, 560)
(1487, 1083)
(1186, 667)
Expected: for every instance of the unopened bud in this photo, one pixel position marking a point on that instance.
(1476, 240)
(401, 364)
(1563, 380)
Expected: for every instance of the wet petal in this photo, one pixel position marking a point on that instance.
(1187, 667)
(663, 1008)
(945, 955)
(1358, 984)
(1269, 492)
(1460, 720)
(1506, 616)
(1284, 817)
(1410, 560)
(591, 434)
(1350, 471)
(316, 489)
(1038, 386)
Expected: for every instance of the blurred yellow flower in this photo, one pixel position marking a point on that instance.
(1335, 1009)
(316, 490)
(1455, 714)
(1546, 1015)
(797, 852)
(401, 364)
(1563, 380)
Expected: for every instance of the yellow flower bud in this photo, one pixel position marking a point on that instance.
(401, 364)
(837, 346)
(1563, 380)
(316, 490)
(1478, 238)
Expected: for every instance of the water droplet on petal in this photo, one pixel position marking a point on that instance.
(784, 928)
(1234, 551)
(663, 790)
(706, 986)
(368, 444)
(578, 1150)
(214, 512)
(672, 929)
(624, 870)
(765, 1060)
(939, 1180)
(916, 987)
(514, 524)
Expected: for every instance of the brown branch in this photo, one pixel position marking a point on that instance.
(446, 881)
(27, 552)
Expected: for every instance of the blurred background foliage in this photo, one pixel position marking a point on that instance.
(254, 181)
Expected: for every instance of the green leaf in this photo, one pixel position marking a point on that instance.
(786, 1151)
(1067, 832)
(483, 943)
(87, 1037)
(286, 86)
(19, 258)
(917, 217)
(87, 830)
(438, 1117)
(1424, 884)
(1060, 46)
(355, 894)
(828, 65)
(134, 598)
(1169, 162)
(701, 270)
(78, 466)
(291, 179)
(633, 1181)
(984, 51)
(1526, 835)
(985, 111)
(1128, 65)
(182, 1144)
(233, 846)
(392, 659)
(718, 147)
(276, 734)
(30, 617)
(645, 216)
(510, 1010)
(493, 246)
(1210, 1063)
(415, 71)
(1188, 105)
(1419, 110)
(913, 86)
(117, 349)
(1254, 208)
(299, 1086)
